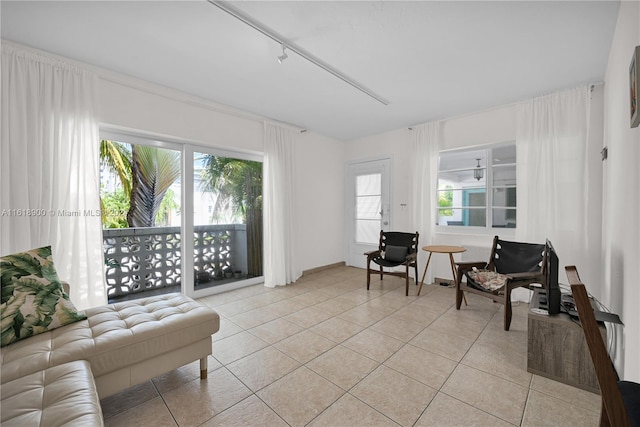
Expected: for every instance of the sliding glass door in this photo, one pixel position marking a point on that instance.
(155, 193)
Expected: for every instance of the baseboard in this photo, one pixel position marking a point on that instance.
(322, 268)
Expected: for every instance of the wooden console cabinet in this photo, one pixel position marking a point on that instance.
(557, 349)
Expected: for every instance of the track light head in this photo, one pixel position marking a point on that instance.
(284, 55)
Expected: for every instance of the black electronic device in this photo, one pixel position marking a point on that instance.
(552, 295)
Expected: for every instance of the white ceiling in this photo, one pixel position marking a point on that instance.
(430, 59)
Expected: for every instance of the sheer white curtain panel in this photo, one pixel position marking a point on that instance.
(553, 176)
(50, 168)
(424, 154)
(280, 263)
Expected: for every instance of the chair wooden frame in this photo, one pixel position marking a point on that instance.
(395, 238)
(614, 410)
(514, 280)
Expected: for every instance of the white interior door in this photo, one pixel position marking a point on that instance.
(368, 207)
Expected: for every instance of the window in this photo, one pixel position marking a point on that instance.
(151, 200)
(477, 187)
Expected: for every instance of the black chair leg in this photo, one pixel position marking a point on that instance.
(406, 279)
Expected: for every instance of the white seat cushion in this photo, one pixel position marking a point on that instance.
(59, 396)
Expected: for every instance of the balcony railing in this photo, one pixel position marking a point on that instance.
(148, 259)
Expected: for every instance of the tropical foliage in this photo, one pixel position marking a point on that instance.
(153, 171)
(445, 200)
(146, 173)
(238, 184)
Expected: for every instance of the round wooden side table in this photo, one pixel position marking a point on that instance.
(442, 249)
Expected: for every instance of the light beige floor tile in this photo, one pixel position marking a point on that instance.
(450, 323)
(336, 329)
(334, 291)
(395, 327)
(357, 297)
(275, 331)
(311, 298)
(342, 366)
(498, 397)
(392, 301)
(373, 345)
(335, 306)
(235, 307)
(572, 395)
(362, 315)
(286, 307)
(227, 328)
(177, 377)
(446, 411)
(513, 340)
(421, 365)
(253, 318)
(196, 402)
(236, 347)
(248, 413)
(151, 413)
(219, 299)
(308, 317)
(262, 367)
(544, 410)
(451, 346)
(397, 396)
(268, 298)
(300, 396)
(304, 346)
(128, 399)
(510, 366)
(418, 314)
(349, 411)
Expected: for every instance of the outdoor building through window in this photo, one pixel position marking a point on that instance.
(477, 187)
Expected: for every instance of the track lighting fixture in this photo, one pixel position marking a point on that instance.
(227, 7)
(284, 55)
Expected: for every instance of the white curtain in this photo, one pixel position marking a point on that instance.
(553, 177)
(424, 155)
(280, 263)
(49, 168)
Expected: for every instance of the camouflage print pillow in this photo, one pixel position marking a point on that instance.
(33, 300)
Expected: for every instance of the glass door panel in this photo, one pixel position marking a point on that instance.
(227, 220)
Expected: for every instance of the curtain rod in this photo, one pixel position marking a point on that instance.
(486, 110)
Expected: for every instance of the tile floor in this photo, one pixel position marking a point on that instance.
(327, 352)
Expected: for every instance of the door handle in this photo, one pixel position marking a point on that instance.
(386, 223)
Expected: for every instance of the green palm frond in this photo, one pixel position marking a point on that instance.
(116, 156)
(154, 170)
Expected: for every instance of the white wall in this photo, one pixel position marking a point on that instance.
(319, 200)
(481, 128)
(621, 225)
(149, 109)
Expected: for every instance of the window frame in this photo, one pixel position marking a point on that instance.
(489, 206)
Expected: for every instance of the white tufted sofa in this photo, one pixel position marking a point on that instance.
(57, 378)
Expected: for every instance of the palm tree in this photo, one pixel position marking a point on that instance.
(146, 173)
(153, 170)
(116, 156)
(238, 184)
